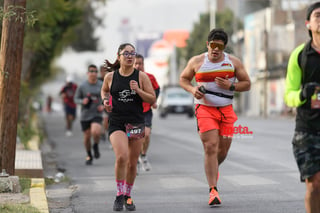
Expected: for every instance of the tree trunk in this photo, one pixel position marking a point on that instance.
(10, 72)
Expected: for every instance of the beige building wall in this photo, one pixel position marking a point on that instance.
(285, 30)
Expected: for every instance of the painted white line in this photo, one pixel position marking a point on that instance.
(181, 182)
(239, 166)
(249, 180)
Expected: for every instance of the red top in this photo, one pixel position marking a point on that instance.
(155, 85)
(69, 90)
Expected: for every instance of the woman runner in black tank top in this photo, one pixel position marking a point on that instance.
(128, 88)
(126, 103)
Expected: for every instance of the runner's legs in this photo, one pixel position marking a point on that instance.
(119, 141)
(210, 141)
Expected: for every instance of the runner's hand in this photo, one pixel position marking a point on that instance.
(134, 85)
(308, 90)
(197, 93)
(154, 106)
(85, 101)
(224, 83)
(107, 105)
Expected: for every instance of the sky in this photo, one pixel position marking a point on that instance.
(143, 16)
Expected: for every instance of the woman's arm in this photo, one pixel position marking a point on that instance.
(146, 91)
(105, 91)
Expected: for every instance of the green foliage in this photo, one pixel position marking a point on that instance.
(25, 184)
(25, 131)
(53, 26)
(21, 208)
(56, 24)
(48, 37)
(13, 13)
(85, 40)
(49, 181)
(196, 43)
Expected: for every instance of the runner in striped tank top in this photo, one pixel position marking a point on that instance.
(218, 75)
(206, 76)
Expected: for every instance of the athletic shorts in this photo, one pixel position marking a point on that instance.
(87, 124)
(221, 118)
(148, 118)
(105, 114)
(70, 110)
(117, 125)
(306, 150)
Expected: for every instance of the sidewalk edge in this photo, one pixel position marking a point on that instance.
(38, 196)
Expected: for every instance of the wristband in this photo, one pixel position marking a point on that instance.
(232, 87)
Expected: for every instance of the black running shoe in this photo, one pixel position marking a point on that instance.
(96, 150)
(89, 160)
(128, 203)
(118, 203)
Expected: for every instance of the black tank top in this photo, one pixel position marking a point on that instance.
(126, 104)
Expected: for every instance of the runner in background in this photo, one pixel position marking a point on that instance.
(70, 108)
(49, 104)
(147, 111)
(88, 95)
(105, 122)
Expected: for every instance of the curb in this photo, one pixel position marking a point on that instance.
(38, 197)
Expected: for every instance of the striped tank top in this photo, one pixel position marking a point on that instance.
(206, 75)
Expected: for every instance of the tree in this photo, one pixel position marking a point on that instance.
(53, 31)
(10, 68)
(196, 42)
(85, 40)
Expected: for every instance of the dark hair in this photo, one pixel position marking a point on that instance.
(140, 56)
(218, 34)
(92, 66)
(116, 65)
(310, 9)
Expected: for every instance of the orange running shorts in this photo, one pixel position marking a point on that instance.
(221, 118)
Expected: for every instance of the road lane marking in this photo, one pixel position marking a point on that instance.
(249, 180)
(240, 166)
(180, 182)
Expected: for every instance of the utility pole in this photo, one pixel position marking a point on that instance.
(10, 72)
(265, 79)
(173, 66)
(212, 10)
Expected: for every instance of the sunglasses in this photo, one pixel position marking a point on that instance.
(127, 54)
(95, 71)
(213, 45)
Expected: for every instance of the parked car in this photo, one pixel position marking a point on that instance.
(175, 100)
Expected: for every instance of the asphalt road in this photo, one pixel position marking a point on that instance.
(258, 176)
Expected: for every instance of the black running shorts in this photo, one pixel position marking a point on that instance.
(115, 125)
(87, 124)
(148, 118)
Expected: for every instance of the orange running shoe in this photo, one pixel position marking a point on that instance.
(214, 198)
(128, 203)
